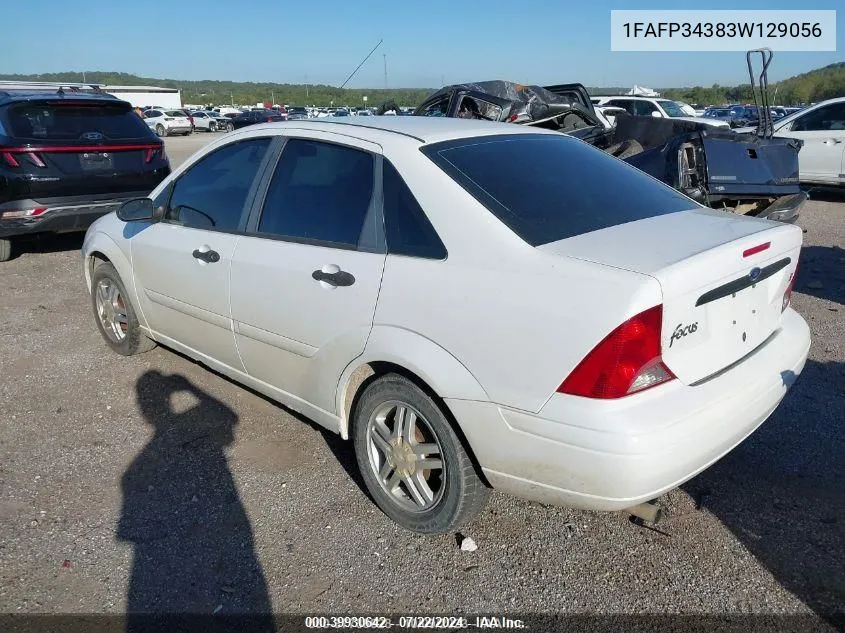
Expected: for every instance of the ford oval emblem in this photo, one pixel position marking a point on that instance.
(754, 274)
(92, 136)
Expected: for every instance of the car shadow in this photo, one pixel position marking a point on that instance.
(48, 243)
(782, 491)
(825, 194)
(193, 548)
(821, 273)
(341, 449)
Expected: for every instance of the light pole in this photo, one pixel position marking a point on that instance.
(384, 56)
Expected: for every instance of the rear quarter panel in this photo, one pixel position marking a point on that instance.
(517, 318)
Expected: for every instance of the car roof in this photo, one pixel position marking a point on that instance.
(13, 96)
(423, 129)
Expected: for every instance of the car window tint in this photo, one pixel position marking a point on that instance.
(551, 187)
(74, 121)
(440, 107)
(212, 193)
(319, 191)
(824, 119)
(644, 108)
(408, 230)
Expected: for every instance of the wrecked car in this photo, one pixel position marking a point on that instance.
(746, 174)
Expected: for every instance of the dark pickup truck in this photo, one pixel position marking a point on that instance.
(742, 173)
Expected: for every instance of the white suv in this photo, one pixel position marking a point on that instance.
(167, 122)
(656, 107)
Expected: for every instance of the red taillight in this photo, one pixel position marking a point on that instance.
(10, 160)
(23, 213)
(787, 295)
(152, 152)
(269, 118)
(748, 252)
(35, 159)
(627, 361)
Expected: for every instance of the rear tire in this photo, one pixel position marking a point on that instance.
(160, 131)
(6, 252)
(421, 476)
(230, 127)
(114, 313)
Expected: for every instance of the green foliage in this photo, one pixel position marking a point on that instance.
(244, 93)
(816, 85)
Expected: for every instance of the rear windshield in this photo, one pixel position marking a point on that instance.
(70, 121)
(175, 113)
(550, 187)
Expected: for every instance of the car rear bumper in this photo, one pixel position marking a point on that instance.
(60, 215)
(611, 455)
(179, 130)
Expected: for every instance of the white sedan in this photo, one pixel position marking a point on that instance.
(822, 128)
(470, 303)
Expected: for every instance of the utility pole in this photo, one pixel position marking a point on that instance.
(83, 76)
(273, 97)
(384, 55)
(306, 86)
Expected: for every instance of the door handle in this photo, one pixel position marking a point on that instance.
(832, 141)
(336, 278)
(209, 256)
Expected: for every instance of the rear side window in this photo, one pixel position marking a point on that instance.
(71, 122)
(319, 191)
(213, 192)
(408, 230)
(551, 187)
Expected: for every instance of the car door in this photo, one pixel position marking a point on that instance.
(822, 158)
(181, 263)
(151, 117)
(200, 120)
(305, 278)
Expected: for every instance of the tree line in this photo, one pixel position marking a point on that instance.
(813, 86)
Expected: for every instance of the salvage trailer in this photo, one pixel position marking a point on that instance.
(748, 174)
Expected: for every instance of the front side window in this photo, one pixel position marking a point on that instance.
(437, 108)
(824, 119)
(319, 192)
(213, 192)
(671, 108)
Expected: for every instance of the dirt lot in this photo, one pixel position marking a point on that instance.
(115, 494)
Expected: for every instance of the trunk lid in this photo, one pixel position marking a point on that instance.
(723, 277)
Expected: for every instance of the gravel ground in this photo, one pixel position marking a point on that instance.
(152, 483)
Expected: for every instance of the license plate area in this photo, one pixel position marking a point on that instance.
(745, 318)
(96, 161)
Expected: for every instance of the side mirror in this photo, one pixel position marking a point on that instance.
(786, 128)
(136, 210)
(656, 115)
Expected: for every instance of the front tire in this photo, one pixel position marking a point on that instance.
(413, 463)
(114, 313)
(6, 252)
(161, 131)
(212, 127)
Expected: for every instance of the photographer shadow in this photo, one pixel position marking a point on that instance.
(194, 560)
